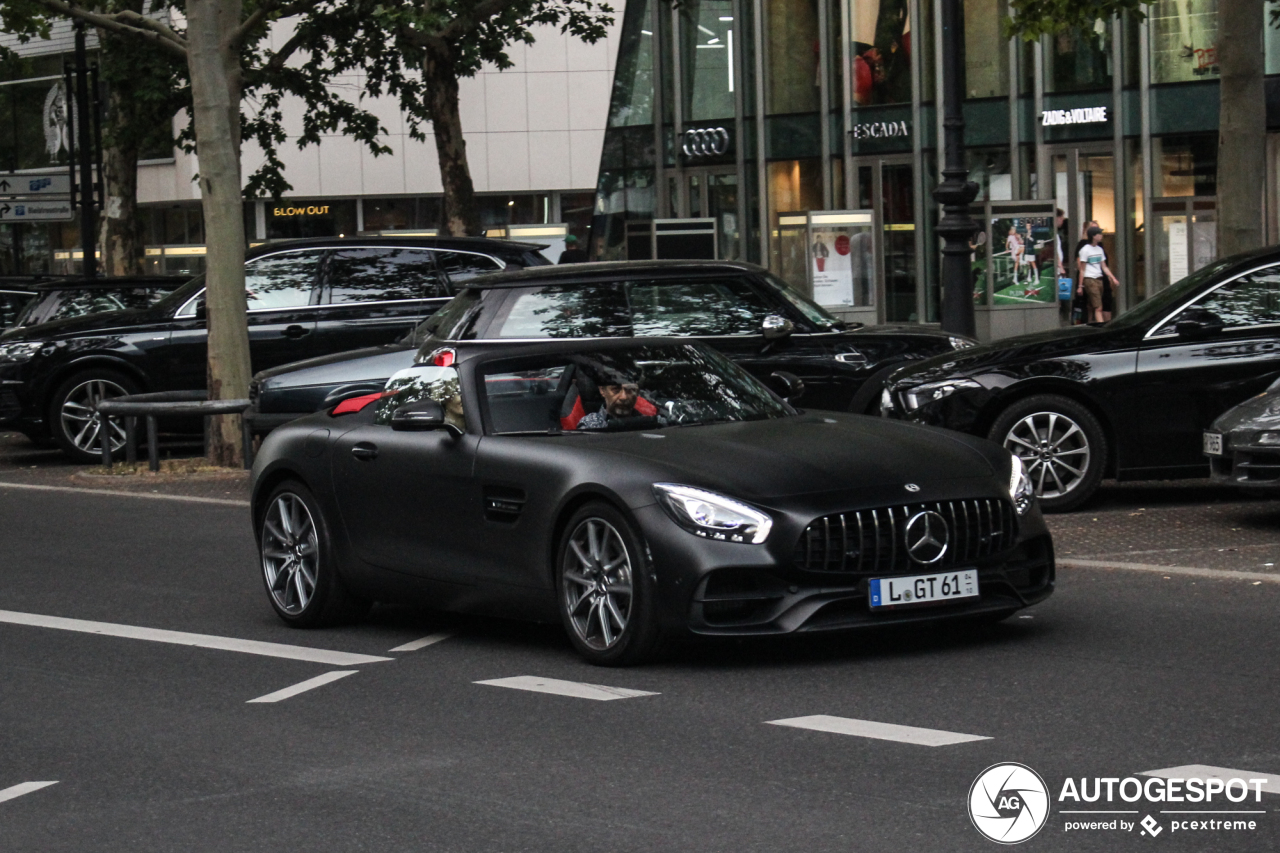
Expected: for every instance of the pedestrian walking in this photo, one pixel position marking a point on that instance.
(572, 254)
(1092, 260)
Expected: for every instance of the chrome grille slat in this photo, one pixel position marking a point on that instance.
(862, 542)
(844, 543)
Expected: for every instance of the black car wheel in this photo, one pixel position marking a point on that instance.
(73, 413)
(298, 564)
(605, 588)
(1061, 443)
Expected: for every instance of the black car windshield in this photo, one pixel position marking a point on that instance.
(454, 321)
(1156, 306)
(812, 311)
(614, 390)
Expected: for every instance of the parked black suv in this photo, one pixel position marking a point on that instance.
(78, 297)
(740, 309)
(16, 292)
(305, 298)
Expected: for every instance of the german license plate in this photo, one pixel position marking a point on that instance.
(1213, 443)
(923, 589)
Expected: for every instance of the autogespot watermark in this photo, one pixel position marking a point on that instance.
(1009, 803)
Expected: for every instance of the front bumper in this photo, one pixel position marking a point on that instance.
(1246, 466)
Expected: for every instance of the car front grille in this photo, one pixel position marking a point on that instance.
(874, 541)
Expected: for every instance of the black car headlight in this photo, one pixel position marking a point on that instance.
(931, 392)
(1020, 487)
(713, 516)
(19, 352)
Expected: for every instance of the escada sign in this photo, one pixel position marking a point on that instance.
(1084, 115)
(880, 130)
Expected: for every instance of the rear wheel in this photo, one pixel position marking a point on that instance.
(73, 413)
(1061, 443)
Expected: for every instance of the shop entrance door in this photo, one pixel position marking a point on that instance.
(713, 194)
(1084, 186)
(886, 185)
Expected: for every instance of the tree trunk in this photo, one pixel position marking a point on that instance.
(461, 218)
(216, 91)
(120, 232)
(1242, 130)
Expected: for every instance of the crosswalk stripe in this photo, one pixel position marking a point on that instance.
(429, 640)
(1205, 771)
(879, 731)
(575, 689)
(24, 788)
(304, 686)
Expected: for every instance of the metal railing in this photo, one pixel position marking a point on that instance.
(167, 404)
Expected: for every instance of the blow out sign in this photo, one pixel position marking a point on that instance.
(310, 210)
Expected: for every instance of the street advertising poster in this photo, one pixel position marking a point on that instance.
(978, 267)
(881, 51)
(840, 265)
(1023, 260)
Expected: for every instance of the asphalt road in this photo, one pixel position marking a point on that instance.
(155, 746)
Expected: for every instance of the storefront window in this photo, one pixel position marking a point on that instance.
(881, 32)
(986, 50)
(794, 185)
(1184, 36)
(633, 80)
(707, 35)
(321, 217)
(402, 214)
(989, 169)
(1187, 164)
(791, 80)
(1079, 60)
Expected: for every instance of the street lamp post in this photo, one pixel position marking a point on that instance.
(956, 192)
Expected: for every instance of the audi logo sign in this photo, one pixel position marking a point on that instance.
(705, 142)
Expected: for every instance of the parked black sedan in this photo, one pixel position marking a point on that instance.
(689, 499)
(1130, 398)
(740, 309)
(305, 298)
(1243, 443)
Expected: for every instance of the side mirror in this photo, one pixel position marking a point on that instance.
(346, 392)
(786, 385)
(421, 416)
(776, 326)
(1199, 323)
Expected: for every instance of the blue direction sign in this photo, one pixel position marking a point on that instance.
(36, 210)
(32, 184)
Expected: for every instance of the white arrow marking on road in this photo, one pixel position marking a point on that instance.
(1204, 771)
(304, 686)
(566, 688)
(182, 638)
(24, 788)
(879, 731)
(429, 640)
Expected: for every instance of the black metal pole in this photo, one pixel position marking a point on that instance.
(84, 129)
(956, 192)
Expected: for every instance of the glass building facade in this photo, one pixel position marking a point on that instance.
(755, 114)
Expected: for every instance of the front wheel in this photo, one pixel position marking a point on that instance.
(73, 414)
(605, 589)
(1061, 443)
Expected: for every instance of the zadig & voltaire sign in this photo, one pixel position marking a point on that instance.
(1083, 115)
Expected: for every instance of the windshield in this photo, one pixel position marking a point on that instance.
(615, 390)
(1172, 296)
(454, 321)
(812, 311)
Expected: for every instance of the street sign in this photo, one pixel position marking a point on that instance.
(42, 184)
(52, 210)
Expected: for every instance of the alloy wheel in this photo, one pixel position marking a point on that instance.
(1055, 450)
(596, 583)
(81, 421)
(290, 553)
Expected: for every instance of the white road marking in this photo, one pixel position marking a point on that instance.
(879, 731)
(304, 686)
(566, 688)
(24, 788)
(122, 493)
(1204, 771)
(1229, 574)
(182, 638)
(429, 640)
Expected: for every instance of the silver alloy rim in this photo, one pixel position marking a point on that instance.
(80, 419)
(290, 553)
(597, 583)
(1054, 449)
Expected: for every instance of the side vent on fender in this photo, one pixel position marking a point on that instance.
(503, 503)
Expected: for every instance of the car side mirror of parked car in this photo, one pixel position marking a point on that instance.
(786, 385)
(776, 326)
(1199, 323)
(421, 416)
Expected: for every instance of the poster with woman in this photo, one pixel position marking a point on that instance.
(1023, 260)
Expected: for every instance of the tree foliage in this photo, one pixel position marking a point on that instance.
(1031, 19)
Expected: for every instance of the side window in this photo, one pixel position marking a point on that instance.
(582, 311)
(281, 281)
(715, 307)
(382, 275)
(423, 382)
(526, 400)
(460, 266)
(1251, 300)
(11, 305)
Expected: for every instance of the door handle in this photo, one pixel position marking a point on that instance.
(365, 451)
(295, 331)
(854, 357)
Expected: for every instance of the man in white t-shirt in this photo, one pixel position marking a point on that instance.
(1092, 260)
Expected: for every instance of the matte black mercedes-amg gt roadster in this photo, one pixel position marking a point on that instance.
(637, 490)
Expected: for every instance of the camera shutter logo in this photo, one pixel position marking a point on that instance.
(1009, 803)
(705, 142)
(926, 534)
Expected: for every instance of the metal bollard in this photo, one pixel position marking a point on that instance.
(153, 444)
(131, 440)
(246, 432)
(104, 430)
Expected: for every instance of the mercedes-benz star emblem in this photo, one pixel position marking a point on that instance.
(911, 487)
(926, 536)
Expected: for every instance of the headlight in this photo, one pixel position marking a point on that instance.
(960, 343)
(933, 391)
(1020, 488)
(19, 351)
(713, 516)
(1267, 438)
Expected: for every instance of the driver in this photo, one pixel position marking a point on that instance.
(619, 402)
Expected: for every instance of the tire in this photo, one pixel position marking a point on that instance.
(298, 563)
(605, 589)
(74, 422)
(1053, 434)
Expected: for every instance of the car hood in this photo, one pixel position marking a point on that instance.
(104, 323)
(361, 365)
(1057, 343)
(810, 454)
(1260, 412)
